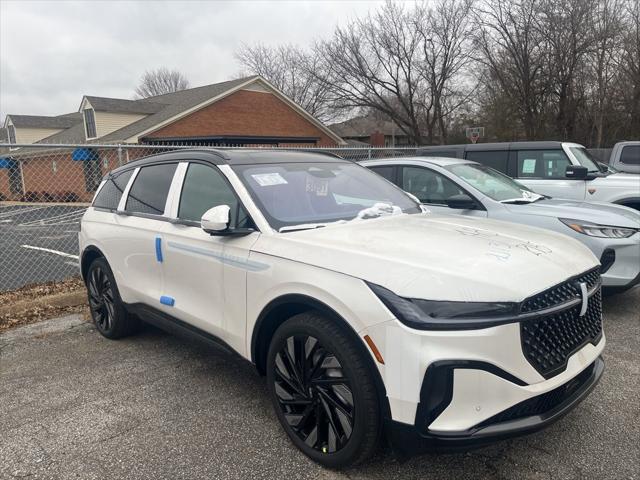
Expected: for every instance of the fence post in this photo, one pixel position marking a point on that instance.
(119, 155)
(369, 153)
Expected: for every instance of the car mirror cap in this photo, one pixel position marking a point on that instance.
(461, 202)
(576, 172)
(216, 219)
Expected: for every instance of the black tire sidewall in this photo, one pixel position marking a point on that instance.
(120, 326)
(353, 449)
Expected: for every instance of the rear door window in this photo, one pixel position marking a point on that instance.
(149, 191)
(429, 186)
(111, 192)
(630, 155)
(496, 159)
(204, 188)
(542, 163)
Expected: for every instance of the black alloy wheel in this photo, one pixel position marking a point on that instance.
(107, 310)
(322, 385)
(314, 394)
(101, 299)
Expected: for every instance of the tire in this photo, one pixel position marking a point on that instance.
(107, 310)
(328, 404)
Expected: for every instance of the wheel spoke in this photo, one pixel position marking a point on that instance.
(334, 403)
(313, 393)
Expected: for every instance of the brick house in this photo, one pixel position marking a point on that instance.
(370, 130)
(243, 112)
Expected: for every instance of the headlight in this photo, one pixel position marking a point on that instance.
(595, 230)
(439, 315)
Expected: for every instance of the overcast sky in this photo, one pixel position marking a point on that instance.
(53, 52)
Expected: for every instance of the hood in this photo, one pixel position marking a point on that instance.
(629, 180)
(594, 212)
(439, 257)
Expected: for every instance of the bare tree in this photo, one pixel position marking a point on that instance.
(444, 30)
(566, 26)
(510, 46)
(401, 63)
(161, 81)
(601, 63)
(291, 70)
(629, 80)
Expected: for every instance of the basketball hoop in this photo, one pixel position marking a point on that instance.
(474, 133)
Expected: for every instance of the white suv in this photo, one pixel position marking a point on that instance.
(369, 317)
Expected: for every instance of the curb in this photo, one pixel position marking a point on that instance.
(60, 300)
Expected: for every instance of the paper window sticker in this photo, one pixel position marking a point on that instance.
(269, 179)
(529, 165)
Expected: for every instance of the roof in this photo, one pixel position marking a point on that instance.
(40, 121)
(221, 156)
(439, 161)
(494, 146)
(174, 104)
(159, 110)
(364, 126)
(119, 105)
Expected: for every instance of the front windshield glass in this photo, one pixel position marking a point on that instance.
(492, 183)
(292, 194)
(585, 158)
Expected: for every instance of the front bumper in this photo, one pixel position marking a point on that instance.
(621, 265)
(523, 418)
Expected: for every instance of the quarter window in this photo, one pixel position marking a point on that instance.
(149, 191)
(204, 188)
(429, 186)
(386, 172)
(630, 155)
(542, 164)
(90, 122)
(111, 192)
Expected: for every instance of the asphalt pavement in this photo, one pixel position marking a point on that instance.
(38, 243)
(154, 406)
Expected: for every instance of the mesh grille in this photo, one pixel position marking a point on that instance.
(549, 341)
(560, 293)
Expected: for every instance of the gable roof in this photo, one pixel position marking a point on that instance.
(120, 105)
(173, 104)
(40, 121)
(162, 110)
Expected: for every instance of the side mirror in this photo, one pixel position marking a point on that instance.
(576, 172)
(461, 202)
(216, 219)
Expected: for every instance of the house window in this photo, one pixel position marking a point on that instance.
(12, 133)
(90, 123)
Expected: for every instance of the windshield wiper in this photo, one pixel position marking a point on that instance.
(522, 201)
(307, 226)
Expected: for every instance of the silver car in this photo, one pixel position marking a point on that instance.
(463, 187)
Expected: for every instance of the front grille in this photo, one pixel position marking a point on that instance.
(549, 341)
(544, 403)
(560, 293)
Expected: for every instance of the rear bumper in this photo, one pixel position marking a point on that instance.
(409, 439)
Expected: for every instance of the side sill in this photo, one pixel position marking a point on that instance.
(172, 325)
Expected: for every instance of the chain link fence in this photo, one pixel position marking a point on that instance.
(45, 189)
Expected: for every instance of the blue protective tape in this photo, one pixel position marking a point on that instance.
(159, 249)
(170, 301)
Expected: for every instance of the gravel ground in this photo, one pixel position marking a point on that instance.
(75, 405)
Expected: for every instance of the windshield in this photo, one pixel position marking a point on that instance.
(585, 158)
(492, 183)
(307, 194)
